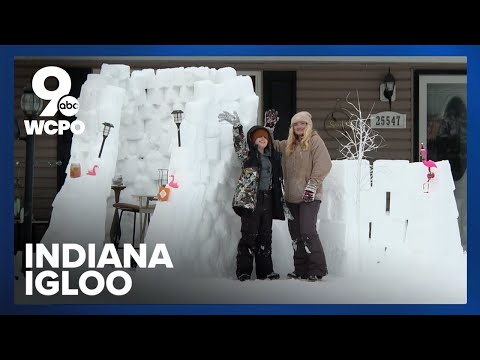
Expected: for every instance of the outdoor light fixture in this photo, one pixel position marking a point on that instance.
(177, 118)
(106, 131)
(31, 106)
(387, 88)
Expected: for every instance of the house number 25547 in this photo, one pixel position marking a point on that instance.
(388, 120)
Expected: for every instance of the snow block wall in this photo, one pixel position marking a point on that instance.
(198, 221)
(397, 218)
(79, 213)
(337, 222)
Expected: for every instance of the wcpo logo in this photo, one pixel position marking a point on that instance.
(59, 100)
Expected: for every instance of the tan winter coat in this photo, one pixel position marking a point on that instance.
(304, 165)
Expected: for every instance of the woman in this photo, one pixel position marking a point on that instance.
(305, 162)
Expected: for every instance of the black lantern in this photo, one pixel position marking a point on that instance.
(177, 118)
(162, 177)
(106, 131)
(31, 106)
(389, 82)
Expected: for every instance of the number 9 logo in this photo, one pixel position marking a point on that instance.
(64, 86)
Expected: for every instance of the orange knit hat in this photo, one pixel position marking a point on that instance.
(259, 133)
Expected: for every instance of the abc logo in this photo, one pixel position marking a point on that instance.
(68, 105)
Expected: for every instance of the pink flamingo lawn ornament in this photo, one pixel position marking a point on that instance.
(93, 171)
(172, 183)
(428, 163)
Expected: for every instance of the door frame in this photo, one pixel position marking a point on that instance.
(421, 79)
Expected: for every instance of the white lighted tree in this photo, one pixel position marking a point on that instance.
(360, 135)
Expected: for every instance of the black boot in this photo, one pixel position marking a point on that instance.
(244, 277)
(271, 276)
(294, 275)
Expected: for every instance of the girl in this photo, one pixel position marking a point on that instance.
(258, 198)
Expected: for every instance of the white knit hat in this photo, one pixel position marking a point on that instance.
(302, 116)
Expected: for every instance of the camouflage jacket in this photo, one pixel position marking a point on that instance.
(245, 196)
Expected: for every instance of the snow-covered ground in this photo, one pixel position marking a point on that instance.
(422, 281)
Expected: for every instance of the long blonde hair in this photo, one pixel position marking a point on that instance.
(293, 139)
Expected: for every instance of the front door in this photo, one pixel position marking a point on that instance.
(442, 128)
(280, 93)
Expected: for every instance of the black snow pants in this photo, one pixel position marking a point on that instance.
(308, 255)
(256, 241)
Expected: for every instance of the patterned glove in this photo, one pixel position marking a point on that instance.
(232, 119)
(271, 118)
(308, 196)
(310, 191)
